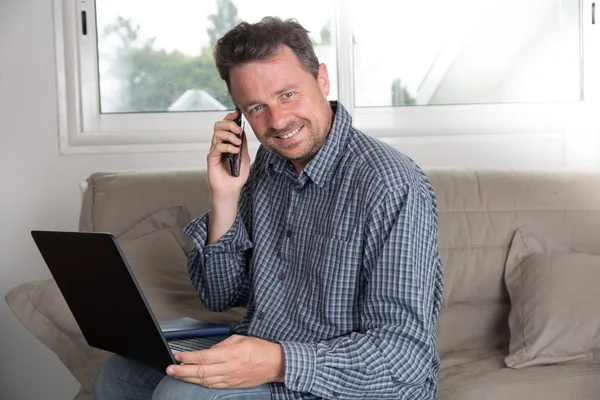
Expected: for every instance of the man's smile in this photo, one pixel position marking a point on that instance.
(290, 134)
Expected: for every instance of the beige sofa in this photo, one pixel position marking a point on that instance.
(496, 229)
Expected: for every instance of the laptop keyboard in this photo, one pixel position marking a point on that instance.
(195, 343)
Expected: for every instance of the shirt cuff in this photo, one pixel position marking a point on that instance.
(300, 365)
(235, 239)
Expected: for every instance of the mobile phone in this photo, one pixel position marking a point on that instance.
(235, 161)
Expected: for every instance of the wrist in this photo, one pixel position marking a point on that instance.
(277, 364)
(223, 212)
(226, 197)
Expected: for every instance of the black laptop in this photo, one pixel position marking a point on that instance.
(107, 302)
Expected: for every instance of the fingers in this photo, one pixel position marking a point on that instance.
(225, 139)
(225, 132)
(199, 372)
(216, 377)
(232, 115)
(224, 147)
(228, 125)
(222, 366)
(202, 357)
(226, 128)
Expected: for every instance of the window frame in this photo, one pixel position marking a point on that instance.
(82, 129)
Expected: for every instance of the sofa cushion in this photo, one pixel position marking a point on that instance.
(481, 374)
(155, 249)
(554, 316)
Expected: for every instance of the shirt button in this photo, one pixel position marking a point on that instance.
(336, 394)
(261, 315)
(282, 276)
(288, 233)
(297, 189)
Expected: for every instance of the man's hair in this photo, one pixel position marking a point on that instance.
(247, 43)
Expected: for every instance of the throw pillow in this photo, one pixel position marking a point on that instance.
(554, 297)
(156, 250)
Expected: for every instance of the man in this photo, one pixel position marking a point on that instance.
(329, 239)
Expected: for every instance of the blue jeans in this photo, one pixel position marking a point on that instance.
(121, 378)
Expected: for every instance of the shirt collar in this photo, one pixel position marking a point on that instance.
(321, 167)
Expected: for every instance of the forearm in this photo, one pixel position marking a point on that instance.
(360, 366)
(223, 212)
(221, 284)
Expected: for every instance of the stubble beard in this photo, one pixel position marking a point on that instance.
(314, 141)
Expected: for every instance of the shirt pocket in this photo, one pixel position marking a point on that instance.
(335, 270)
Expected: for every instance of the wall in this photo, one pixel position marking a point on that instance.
(38, 187)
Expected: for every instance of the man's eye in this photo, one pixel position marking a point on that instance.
(288, 95)
(257, 108)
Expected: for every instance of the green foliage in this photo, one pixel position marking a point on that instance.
(153, 79)
(400, 96)
(225, 19)
(325, 35)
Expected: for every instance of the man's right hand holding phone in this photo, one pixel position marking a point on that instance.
(224, 188)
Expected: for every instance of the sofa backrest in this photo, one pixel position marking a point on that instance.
(479, 212)
(115, 201)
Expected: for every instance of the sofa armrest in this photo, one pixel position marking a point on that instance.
(42, 310)
(87, 203)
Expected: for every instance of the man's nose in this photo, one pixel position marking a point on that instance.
(279, 117)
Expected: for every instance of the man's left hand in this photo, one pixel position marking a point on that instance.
(236, 362)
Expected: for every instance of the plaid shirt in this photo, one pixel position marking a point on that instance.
(339, 265)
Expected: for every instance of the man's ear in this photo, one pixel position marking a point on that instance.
(323, 80)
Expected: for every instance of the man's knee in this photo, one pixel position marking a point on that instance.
(106, 379)
(120, 378)
(173, 389)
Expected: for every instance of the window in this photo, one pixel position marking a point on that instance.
(140, 75)
(152, 59)
(466, 52)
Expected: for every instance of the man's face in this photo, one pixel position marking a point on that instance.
(285, 105)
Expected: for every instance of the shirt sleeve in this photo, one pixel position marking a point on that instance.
(219, 271)
(394, 354)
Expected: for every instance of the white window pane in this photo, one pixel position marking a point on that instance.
(466, 51)
(157, 56)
